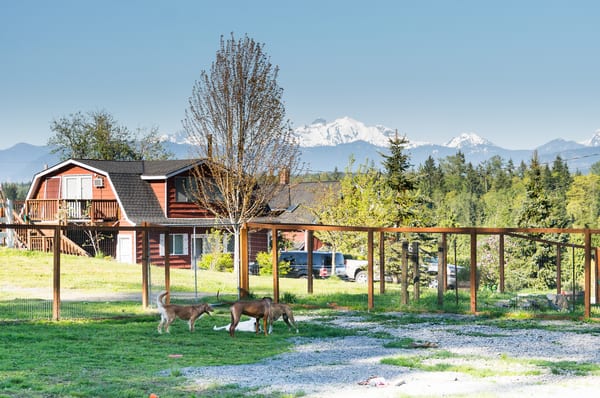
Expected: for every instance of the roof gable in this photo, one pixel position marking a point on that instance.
(129, 182)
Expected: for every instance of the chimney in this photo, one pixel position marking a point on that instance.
(209, 144)
(284, 176)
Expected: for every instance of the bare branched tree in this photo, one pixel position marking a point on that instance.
(236, 118)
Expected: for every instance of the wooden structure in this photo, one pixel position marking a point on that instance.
(590, 273)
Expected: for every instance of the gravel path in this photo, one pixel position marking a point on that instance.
(335, 367)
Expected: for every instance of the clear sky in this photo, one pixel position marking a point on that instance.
(519, 73)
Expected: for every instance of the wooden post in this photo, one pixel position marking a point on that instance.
(502, 262)
(275, 265)
(416, 273)
(56, 275)
(558, 270)
(597, 275)
(145, 245)
(381, 262)
(587, 275)
(441, 275)
(309, 261)
(370, 268)
(168, 265)
(444, 263)
(404, 274)
(473, 279)
(244, 262)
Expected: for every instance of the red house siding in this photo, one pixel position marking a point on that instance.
(183, 209)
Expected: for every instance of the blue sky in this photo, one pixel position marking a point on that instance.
(519, 73)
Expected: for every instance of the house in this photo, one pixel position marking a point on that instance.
(292, 205)
(125, 194)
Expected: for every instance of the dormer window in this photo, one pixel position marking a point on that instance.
(184, 189)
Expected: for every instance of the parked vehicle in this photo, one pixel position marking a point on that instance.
(451, 273)
(356, 270)
(298, 264)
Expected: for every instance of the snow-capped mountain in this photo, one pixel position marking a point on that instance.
(328, 146)
(594, 141)
(342, 131)
(467, 140)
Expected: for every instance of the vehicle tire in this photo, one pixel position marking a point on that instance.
(361, 277)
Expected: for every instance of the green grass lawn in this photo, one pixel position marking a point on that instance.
(119, 358)
(122, 355)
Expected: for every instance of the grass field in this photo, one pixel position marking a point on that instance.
(120, 354)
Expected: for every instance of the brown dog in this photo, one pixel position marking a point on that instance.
(256, 309)
(283, 310)
(169, 312)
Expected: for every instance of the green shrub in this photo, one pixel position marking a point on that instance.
(265, 263)
(216, 262)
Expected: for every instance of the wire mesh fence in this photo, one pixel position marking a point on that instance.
(100, 287)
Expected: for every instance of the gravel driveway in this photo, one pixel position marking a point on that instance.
(351, 367)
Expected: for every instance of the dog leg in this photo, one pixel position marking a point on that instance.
(234, 323)
(168, 324)
(193, 323)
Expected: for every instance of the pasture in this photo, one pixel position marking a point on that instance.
(107, 345)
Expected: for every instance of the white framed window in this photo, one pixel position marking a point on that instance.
(178, 245)
(77, 187)
(202, 244)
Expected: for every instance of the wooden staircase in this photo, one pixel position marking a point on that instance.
(38, 237)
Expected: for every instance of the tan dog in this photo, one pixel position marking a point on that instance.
(169, 312)
(256, 309)
(278, 310)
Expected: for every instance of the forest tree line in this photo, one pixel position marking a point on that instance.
(452, 192)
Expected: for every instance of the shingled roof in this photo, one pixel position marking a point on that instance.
(290, 204)
(138, 200)
(130, 181)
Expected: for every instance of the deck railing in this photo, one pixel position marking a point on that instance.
(93, 210)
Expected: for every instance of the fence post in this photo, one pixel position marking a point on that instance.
(444, 263)
(309, 260)
(473, 278)
(168, 265)
(597, 275)
(416, 273)
(145, 265)
(56, 275)
(441, 275)
(370, 268)
(244, 267)
(404, 274)
(275, 266)
(502, 262)
(381, 262)
(587, 274)
(558, 269)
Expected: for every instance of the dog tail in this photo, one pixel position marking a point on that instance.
(159, 299)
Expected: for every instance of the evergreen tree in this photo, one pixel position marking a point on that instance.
(400, 182)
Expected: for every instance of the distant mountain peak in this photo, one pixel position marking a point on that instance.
(344, 130)
(467, 140)
(594, 141)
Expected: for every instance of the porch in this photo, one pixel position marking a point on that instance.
(71, 210)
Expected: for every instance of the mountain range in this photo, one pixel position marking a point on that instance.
(328, 146)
